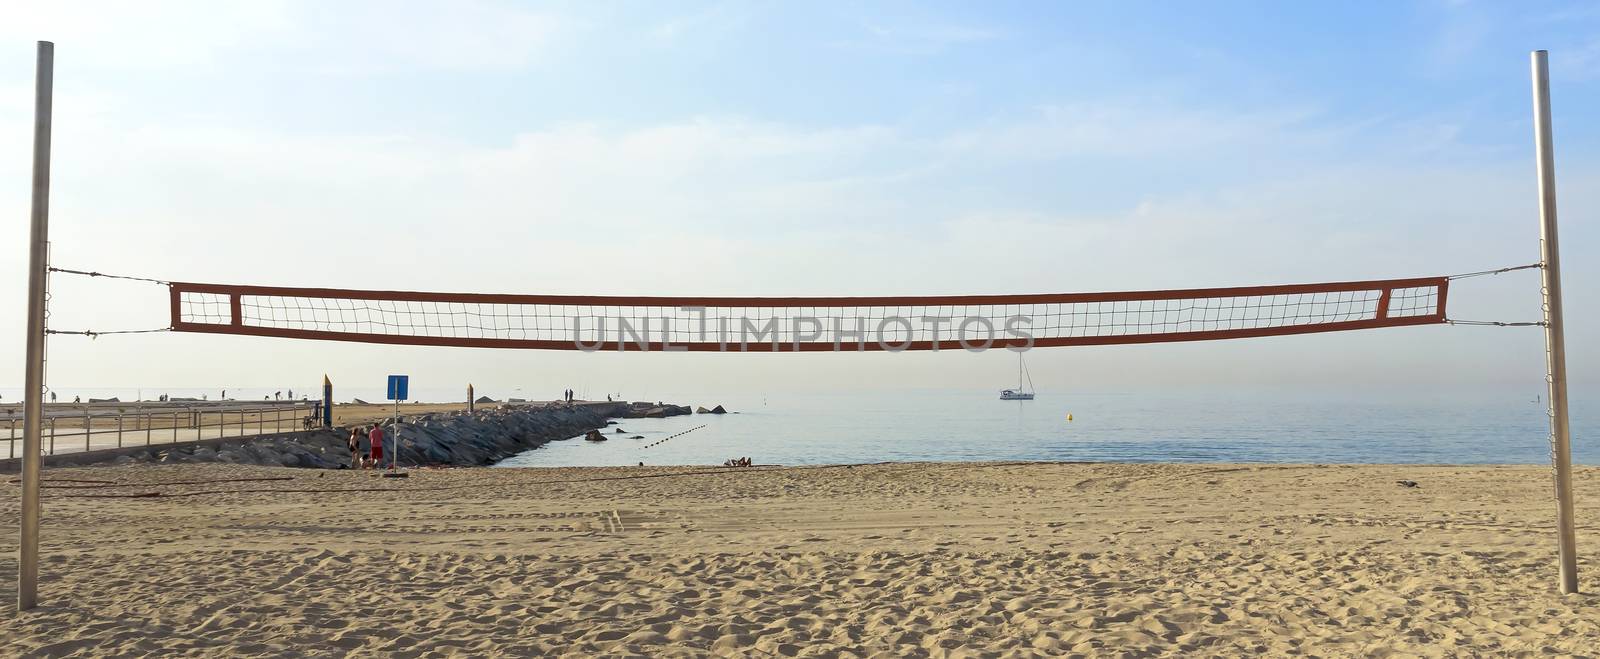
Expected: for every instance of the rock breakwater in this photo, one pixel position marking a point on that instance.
(437, 439)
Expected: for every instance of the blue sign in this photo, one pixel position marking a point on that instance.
(397, 386)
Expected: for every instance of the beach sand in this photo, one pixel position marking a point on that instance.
(884, 560)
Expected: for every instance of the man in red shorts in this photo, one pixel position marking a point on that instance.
(376, 437)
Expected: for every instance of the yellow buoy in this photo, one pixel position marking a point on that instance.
(1069, 416)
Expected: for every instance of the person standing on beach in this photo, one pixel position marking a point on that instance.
(375, 436)
(355, 446)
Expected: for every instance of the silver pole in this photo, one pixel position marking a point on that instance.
(38, 255)
(1554, 339)
(395, 436)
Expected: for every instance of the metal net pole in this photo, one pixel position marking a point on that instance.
(28, 550)
(1554, 337)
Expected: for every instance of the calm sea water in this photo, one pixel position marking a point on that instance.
(1232, 426)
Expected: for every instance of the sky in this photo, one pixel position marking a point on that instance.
(755, 148)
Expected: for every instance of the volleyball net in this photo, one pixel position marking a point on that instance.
(803, 324)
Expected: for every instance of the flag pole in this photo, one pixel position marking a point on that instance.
(1554, 338)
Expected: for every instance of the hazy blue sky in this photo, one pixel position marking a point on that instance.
(799, 148)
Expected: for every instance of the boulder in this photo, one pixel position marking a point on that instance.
(358, 401)
(701, 410)
(718, 410)
(657, 411)
(484, 399)
(594, 436)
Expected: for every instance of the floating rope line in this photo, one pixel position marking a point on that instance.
(1496, 272)
(664, 439)
(90, 273)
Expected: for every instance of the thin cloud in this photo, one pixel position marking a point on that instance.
(1580, 62)
(915, 39)
(719, 17)
(340, 38)
(1130, 128)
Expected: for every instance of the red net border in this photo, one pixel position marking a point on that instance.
(235, 293)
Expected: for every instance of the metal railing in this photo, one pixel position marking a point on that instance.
(73, 428)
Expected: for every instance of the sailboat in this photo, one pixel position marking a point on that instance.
(1022, 376)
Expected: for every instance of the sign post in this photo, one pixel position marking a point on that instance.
(327, 402)
(398, 384)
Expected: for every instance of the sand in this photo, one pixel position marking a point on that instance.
(887, 560)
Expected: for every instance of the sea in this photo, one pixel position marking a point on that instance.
(1224, 424)
(1231, 425)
